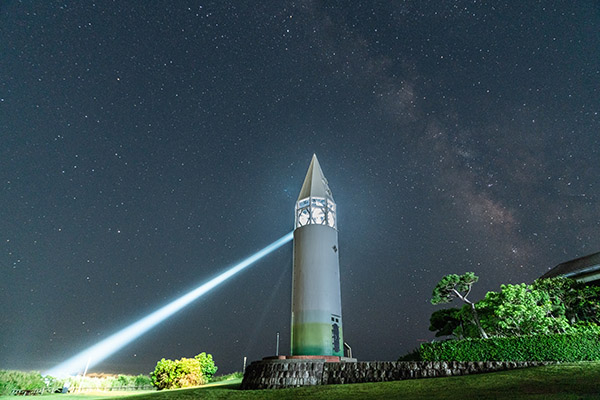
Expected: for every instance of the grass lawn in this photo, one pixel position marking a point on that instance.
(567, 381)
(82, 396)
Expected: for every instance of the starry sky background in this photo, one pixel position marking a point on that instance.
(146, 148)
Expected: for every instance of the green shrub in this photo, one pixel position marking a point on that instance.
(10, 380)
(19, 380)
(165, 374)
(579, 346)
(141, 381)
(189, 373)
(207, 365)
(185, 372)
(120, 381)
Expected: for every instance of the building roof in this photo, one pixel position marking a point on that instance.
(584, 269)
(315, 184)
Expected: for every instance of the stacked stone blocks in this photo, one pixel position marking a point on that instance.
(272, 374)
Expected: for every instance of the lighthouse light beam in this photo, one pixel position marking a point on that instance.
(104, 349)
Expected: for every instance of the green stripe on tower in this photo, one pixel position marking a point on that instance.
(315, 339)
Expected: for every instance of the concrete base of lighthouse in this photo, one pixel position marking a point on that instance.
(285, 373)
(289, 371)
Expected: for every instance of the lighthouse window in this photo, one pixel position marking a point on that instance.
(303, 203)
(315, 210)
(331, 205)
(331, 219)
(318, 202)
(303, 217)
(318, 215)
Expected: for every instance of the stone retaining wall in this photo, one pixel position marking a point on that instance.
(271, 374)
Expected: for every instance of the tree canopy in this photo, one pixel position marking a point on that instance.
(555, 305)
(454, 286)
(445, 322)
(518, 310)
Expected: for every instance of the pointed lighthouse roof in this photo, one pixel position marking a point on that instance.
(315, 183)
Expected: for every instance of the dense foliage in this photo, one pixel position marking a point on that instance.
(457, 322)
(207, 365)
(185, 372)
(164, 374)
(10, 380)
(557, 305)
(553, 319)
(19, 380)
(582, 345)
(518, 310)
(579, 303)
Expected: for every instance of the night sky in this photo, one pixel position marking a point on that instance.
(147, 147)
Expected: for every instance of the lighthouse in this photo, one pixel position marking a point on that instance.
(316, 298)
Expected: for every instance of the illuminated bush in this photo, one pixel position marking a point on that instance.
(10, 380)
(207, 365)
(164, 374)
(185, 372)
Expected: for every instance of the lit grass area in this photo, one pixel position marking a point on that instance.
(557, 382)
(567, 381)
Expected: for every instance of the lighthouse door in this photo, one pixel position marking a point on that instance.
(335, 333)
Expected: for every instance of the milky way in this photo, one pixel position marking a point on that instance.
(146, 147)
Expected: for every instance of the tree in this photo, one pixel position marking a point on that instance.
(457, 322)
(518, 310)
(457, 286)
(164, 374)
(207, 365)
(444, 322)
(189, 373)
(579, 302)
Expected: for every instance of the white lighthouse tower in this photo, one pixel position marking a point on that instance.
(316, 298)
